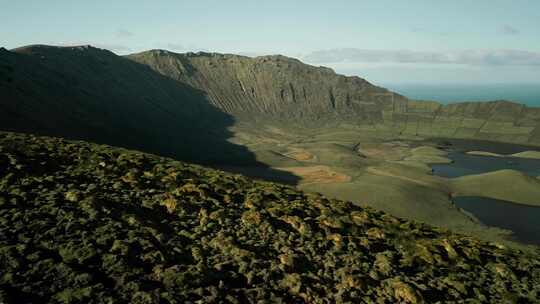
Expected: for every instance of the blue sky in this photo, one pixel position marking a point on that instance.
(384, 41)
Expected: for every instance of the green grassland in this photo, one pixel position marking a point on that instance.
(524, 154)
(388, 174)
(509, 185)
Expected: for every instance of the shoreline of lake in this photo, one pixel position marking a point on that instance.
(520, 219)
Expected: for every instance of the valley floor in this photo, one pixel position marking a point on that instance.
(389, 174)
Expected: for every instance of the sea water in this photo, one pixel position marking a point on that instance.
(528, 94)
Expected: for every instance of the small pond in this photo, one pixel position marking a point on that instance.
(465, 164)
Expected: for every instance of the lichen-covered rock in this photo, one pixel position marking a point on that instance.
(406, 293)
(72, 196)
(84, 223)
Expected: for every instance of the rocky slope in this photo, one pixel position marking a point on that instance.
(274, 86)
(88, 223)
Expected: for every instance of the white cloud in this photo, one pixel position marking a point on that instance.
(464, 57)
(123, 33)
(178, 47)
(175, 47)
(251, 54)
(116, 48)
(508, 30)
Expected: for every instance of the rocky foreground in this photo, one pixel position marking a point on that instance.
(87, 223)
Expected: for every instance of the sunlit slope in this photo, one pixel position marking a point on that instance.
(509, 185)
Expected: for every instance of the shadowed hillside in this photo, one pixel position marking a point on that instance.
(86, 223)
(93, 94)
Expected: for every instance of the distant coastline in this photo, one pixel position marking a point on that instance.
(528, 94)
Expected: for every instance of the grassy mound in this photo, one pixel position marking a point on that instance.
(428, 155)
(528, 154)
(86, 223)
(508, 185)
(524, 154)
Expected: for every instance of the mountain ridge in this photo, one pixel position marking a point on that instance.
(205, 88)
(268, 85)
(347, 98)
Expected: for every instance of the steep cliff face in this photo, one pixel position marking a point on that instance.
(497, 121)
(285, 89)
(274, 86)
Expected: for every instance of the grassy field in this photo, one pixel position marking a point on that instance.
(389, 174)
(507, 185)
(524, 154)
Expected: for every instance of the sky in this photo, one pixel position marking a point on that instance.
(414, 41)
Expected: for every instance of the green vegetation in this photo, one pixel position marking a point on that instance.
(89, 223)
(527, 154)
(524, 154)
(389, 175)
(509, 185)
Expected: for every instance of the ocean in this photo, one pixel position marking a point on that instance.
(528, 94)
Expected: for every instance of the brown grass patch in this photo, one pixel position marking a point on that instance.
(318, 175)
(300, 155)
(386, 151)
